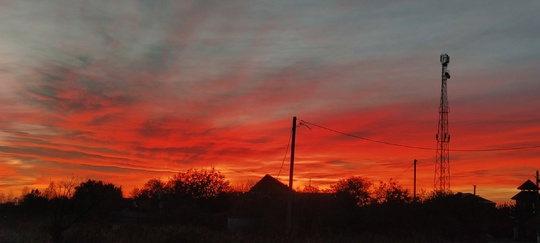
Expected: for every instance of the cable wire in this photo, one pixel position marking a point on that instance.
(403, 172)
(285, 156)
(367, 139)
(418, 147)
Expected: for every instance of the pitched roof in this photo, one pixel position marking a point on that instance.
(525, 196)
(269, 184)
(528, 185)
(475, 198)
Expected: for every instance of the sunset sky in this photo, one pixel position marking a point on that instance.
(126, 91)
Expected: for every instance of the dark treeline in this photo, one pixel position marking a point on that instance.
(200, 206)
(47, 214)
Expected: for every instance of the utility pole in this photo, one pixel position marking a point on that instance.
(474, 190)
(414, 187)
(291, 191)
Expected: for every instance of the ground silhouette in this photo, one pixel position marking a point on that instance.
(200, 206)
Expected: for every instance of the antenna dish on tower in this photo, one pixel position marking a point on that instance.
(445, 59)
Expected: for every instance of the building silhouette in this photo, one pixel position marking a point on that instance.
(526, 211)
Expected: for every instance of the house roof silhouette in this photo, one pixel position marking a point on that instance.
(475, 198)
(528, 185)
(269, 185)
(528, 192)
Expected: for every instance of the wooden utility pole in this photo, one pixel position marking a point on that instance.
(291, 171)
(291, 191)
(414, 187)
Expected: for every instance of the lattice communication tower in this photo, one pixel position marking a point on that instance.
(442, 163)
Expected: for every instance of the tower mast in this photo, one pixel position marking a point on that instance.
(442, 163)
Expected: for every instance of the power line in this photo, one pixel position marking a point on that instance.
(367, 139)
(285, 156)
(497, 149)
(418, 147)
(402, 172)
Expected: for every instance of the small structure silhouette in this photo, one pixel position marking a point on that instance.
(526, 210)
(526, 198)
